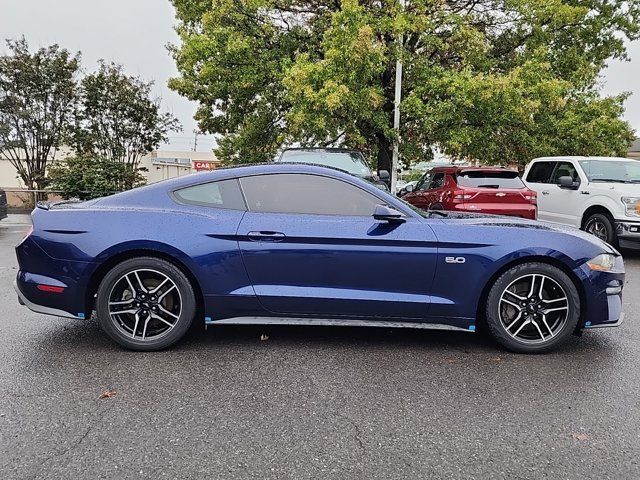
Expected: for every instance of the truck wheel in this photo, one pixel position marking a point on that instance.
(601, 226)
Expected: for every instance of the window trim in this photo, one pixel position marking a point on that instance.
(382, 201)
(175, 197)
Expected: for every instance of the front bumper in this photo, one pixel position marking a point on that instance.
(628, 233)
(603, 296)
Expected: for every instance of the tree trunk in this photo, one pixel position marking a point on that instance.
(385, 152)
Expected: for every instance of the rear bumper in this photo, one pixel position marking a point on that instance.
(513, 210)
(34, 307)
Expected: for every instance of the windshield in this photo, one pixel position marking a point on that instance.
(490, 179)
(350, 162)
(623, 171)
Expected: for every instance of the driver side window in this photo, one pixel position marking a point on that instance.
(565, 169)
(437, 181)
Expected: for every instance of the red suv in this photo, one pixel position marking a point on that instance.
(491, 190)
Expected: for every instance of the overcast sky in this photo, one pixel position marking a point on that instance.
(135, 33)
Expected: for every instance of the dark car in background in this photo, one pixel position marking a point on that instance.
(492, 190)
(3, 204)
(350, 161)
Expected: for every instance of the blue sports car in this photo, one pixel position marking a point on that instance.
(302, 244)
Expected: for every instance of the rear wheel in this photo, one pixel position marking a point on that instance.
(533, 308)
(145, 304)
(601, 225)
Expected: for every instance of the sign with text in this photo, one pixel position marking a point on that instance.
(203, 165)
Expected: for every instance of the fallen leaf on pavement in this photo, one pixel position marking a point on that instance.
(107, 394)
(580, 436)
(264, 337)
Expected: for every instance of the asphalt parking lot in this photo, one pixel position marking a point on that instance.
(313, 402)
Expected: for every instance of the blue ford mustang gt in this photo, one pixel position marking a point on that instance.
(309, 245)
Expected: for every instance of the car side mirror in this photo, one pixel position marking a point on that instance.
(409, 188)
(567, 182)
(383, 175)
(384, 213)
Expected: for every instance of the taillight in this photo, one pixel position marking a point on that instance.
(461, 196)
(50, 288)
(531, 196)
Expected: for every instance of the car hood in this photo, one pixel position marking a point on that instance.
(622, 189)
(502, 221)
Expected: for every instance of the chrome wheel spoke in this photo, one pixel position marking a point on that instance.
(514, 305)
(550, 310)
(514, 295)
(515, 320)
(527, 322)
(538, 328)
(544, 320)
(158, 317)
(135, 325)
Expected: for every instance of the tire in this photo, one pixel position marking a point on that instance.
(538, 329)
(165, 307)
(436, 206)
(601, 222)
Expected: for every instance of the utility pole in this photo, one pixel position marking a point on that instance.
(195, 140)
(396, 111)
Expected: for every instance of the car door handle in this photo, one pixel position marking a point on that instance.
(545, 192)
(266, 236)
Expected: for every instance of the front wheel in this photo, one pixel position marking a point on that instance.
(145, 304)
(532, 308)
(601, 226)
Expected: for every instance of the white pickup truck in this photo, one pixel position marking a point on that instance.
(601, 195)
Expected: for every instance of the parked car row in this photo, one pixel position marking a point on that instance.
(597, 194)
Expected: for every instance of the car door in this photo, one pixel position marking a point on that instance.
(419, 197)
(565, 204)
(311, 247)
(538, 179)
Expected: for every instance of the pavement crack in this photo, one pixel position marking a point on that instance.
(97, 419)
(358, 433)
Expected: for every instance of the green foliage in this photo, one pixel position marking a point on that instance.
(117, 118)
(87, 177)
(497, 81)
(38, 95)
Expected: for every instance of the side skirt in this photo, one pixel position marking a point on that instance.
(329, 322)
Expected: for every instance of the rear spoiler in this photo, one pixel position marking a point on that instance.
(51, 205)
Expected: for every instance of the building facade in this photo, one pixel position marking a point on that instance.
(159, 165)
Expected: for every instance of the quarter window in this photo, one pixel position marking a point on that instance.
(306, 194)
(540, 172)
(222, 194)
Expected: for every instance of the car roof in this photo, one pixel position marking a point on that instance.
(457, 169)
(578, 157)
(321, 149)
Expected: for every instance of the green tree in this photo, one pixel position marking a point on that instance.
(87, 177)
(117, 118)
(499, 81)
(38, 98)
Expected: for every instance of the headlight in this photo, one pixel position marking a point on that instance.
(602, 263)
(632, 206)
